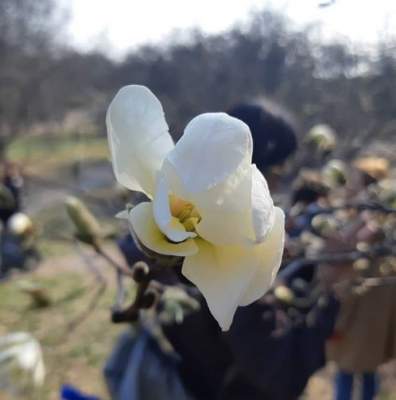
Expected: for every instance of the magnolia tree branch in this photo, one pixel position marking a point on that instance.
(360, 207)
(102, 285)
(369, 206)
(121, 268)
(375, 251)
(147, 293)
(147, 290)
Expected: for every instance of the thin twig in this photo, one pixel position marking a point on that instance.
(348, 256)
(120, 297)
(123, 269)
(72, 325)
(88, 261)
(87, 312)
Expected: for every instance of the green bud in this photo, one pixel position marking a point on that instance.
(335, 173)
(87, 227)
(284, 294)
(322, 138)
(325, 224)
(362, 264)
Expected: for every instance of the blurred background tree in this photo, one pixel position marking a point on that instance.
(26, 46)
(53, 98)
(43, 79)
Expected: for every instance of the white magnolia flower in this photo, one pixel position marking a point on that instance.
(209, 203)
(21, 352)
(20, 224)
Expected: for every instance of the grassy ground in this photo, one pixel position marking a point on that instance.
(71, 356)
(40, 152)
(77, 356)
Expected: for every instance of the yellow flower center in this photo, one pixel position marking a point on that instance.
(185, 212)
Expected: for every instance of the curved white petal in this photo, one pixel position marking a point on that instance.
(226, 212)
(213, 147)
(138, 136)
(222, 274)
(169, 225)
(269, 253)
(142, 220)
(229, 276)
(262, 206)
(237, 212)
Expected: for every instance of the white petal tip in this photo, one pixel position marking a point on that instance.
(122, 214)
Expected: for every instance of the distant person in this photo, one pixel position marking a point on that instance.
(308, 197)
(274, 138)
(213, 364)
(254, 360)
(11, 184)
(365, 334)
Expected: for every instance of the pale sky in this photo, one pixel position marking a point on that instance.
(117, 25)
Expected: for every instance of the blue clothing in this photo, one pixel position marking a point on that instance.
(130, 251)
(139, 370)
(69, 392)
(247, 363)
(343, 389)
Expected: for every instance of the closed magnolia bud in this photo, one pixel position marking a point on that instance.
(284, 294)
(334, 173)
(322, 138)
(386, 269)
(324, 224)
(363, 246)
(386, 192)
(361, 264)
(87, 227)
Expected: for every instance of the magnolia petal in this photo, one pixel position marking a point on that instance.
(213, 147)
(222, 274)
(269, 256)
(124, 214)
(138, 136)
(225, 209)
(226, 212)
(142, 220)
(239, 211)
(262, 206)
(233, 229)
(169, 225)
